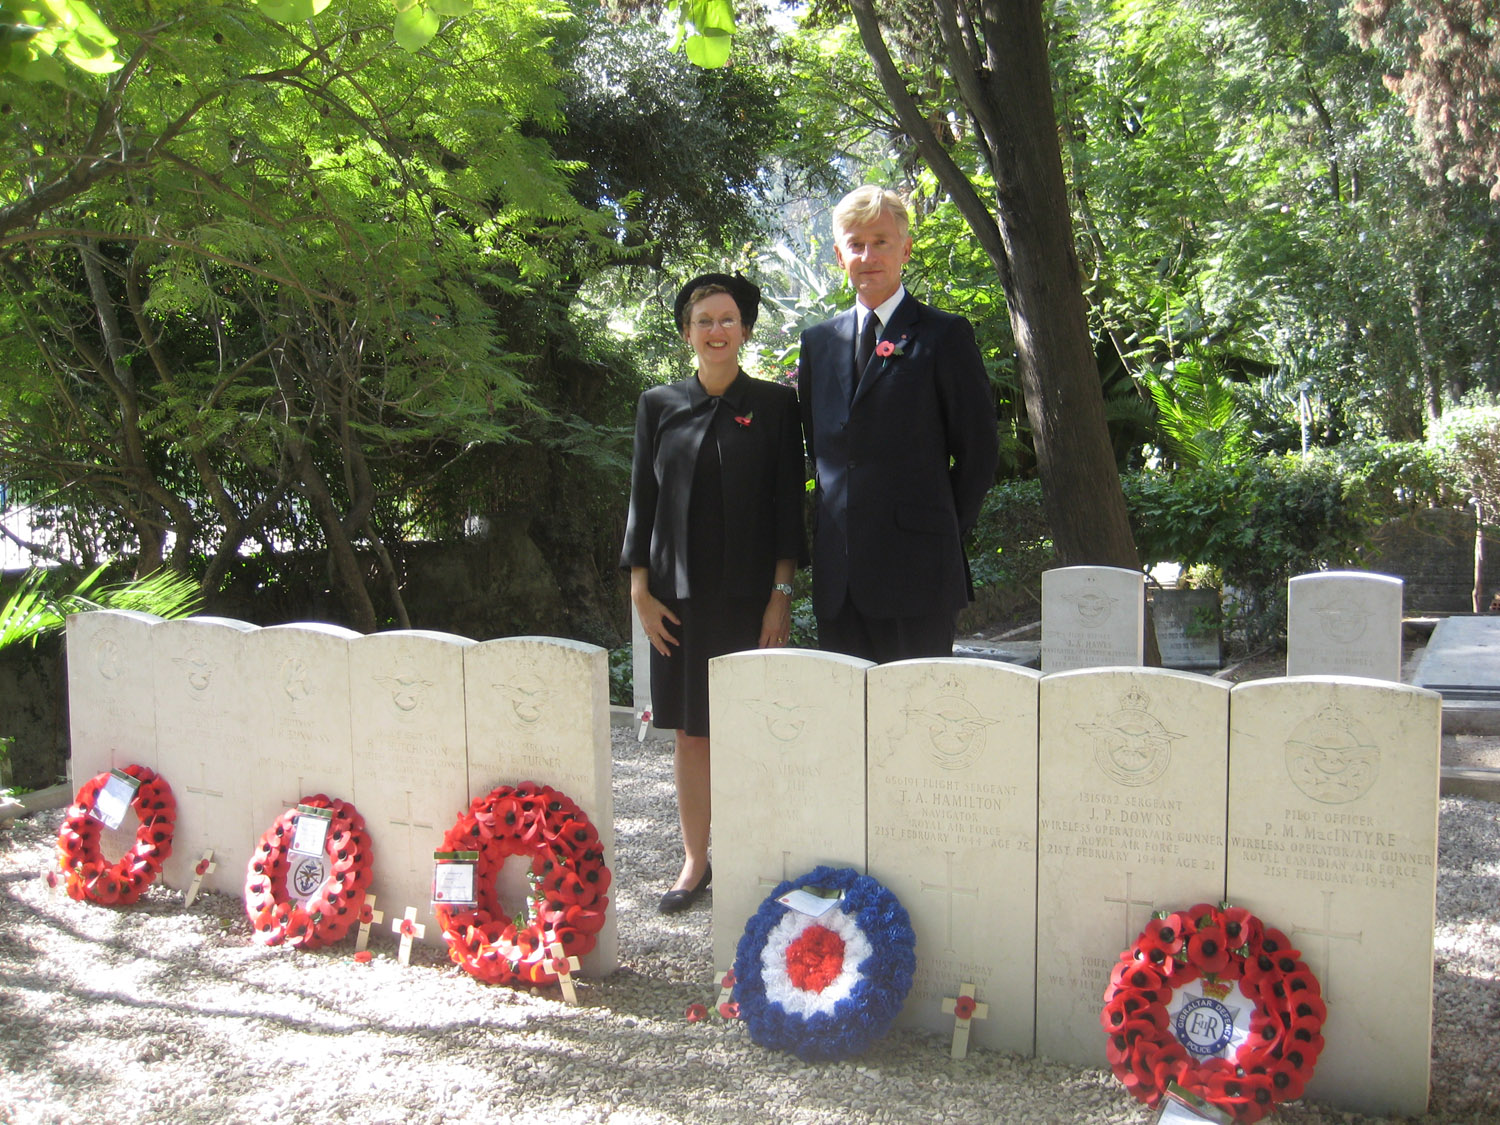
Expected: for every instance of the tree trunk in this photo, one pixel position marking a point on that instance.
(1002, 75)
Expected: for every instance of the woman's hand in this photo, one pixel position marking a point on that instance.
(776, 622)
(654, 616)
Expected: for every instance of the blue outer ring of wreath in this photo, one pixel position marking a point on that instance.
(868, 1011)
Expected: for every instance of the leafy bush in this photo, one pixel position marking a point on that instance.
(1261, 521)
(1012, 542)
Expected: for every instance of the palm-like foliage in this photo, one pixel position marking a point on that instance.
(34, 610)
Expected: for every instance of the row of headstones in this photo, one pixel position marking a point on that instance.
(408, 726)
(1339, 622)
(1031, 824)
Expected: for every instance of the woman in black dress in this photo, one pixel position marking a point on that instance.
(714, 534)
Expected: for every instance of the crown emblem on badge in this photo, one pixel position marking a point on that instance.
(1217, 989)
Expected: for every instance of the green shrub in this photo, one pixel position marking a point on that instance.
(1012, 542)
(1261, 521)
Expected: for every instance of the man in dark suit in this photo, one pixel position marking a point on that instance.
(900, 426)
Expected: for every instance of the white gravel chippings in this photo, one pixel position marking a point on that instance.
(158, 1013)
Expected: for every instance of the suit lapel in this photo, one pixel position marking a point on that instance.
(842, 343)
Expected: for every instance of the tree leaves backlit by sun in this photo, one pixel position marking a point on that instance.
(41, 39)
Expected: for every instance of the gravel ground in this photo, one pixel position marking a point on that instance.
(165, 1014)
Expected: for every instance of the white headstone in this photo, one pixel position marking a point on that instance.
(298, 679)
(1344, 623)
(1333, 840)
(788, 787)
(111, 703)
(205, 740)
(538, 710)
(952, 833)
(411, 774)
(1131, 792)
(1093, 617)
(111, 696)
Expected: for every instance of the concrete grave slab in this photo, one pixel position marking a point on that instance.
(1131, 789)
(1093, 617)
(1344, 623)
(788, 776)
(1333, 840)
(952, 833)
(411, 778)
(538, 710)
(298, 679)
(205, 736)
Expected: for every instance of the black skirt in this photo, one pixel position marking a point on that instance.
(711, 626)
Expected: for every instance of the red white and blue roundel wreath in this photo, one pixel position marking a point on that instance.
(568, 876)
(87, 874)
(825, 986)
(308, 900)
(1212, 1000)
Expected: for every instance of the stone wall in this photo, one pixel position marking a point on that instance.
(1432, 551)
(34, 712)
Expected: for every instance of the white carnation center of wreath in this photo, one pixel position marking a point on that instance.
(796, 930)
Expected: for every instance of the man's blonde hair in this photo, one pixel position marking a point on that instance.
(865, 205)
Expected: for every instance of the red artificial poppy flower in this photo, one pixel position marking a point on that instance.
(729, 1010)
(364, 956)
(1286, 1080)
(963, 1007)
(1208, 950)
(408, 928)
(727, 980)
(696, 1012)
(1241, 927)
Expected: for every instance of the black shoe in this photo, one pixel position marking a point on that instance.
(674, 902)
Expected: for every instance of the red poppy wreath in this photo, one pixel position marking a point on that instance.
(1214, 1001)
(308, 899)
(88, 875)
(568, 881)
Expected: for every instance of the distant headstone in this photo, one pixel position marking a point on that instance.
(205, 741)
(640, 675)
(1093, 617)
(1188, 633)
(406, 692)
(1461, 660)
(788, 776)
(298, 680)
(1344, 623)
(1131, 792)
(538, 710)
(952, 833)
(1333, 817)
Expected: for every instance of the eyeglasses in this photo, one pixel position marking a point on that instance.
(703, 323)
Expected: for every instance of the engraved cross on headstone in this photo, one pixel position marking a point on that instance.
(409, 824)
(202, 788)
(948, 888)
(1131, 932)
(1328, 934)
(786, 859)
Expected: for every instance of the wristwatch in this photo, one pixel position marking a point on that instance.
(783, 588)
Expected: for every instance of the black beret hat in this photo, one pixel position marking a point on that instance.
(746, 295)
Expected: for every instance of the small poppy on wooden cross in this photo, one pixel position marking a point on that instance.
(965, 1010)
(204, 867)
(410, 930)
(564, 966)
(368, 916)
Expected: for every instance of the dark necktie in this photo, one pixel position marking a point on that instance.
(866, 347)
